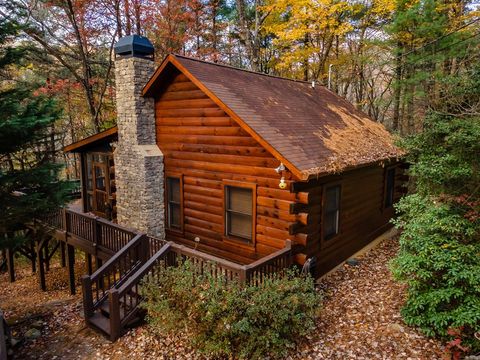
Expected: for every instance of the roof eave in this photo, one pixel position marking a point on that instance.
(310, 175)
(88, 141)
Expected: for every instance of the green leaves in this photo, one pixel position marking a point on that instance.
(440, 241)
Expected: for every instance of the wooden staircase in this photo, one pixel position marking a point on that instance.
(111, 295)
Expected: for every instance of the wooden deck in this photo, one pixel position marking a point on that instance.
(111, 294)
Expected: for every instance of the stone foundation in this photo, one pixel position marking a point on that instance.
(139, 174)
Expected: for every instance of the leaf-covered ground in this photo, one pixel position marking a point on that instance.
(360, 320)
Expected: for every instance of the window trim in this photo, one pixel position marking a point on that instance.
(324, 237)
(385, 178)
(238, 241)
(180, 230)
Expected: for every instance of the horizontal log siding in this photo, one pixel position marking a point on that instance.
(362, 216)
(204, 144)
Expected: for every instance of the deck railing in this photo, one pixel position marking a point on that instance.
(90, 232)
(113, 237)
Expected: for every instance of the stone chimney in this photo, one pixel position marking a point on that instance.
(139, 176)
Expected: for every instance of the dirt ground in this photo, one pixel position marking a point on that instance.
(360, 319)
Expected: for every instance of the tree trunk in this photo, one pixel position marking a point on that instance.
(397, 89)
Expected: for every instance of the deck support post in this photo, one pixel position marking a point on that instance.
(71, 268)
(63, 261)
(33, 255)
(10, 264)
(47, 255)
(41, 269)
(89, 263)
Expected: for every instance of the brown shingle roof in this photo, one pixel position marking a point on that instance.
(315, 130)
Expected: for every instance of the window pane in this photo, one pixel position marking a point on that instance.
(89, 172)
(331, 224)
(240, 225)
(174, 190)
(174, 215)
(240, 200)
(99, 158)
(331, 211)
(332, 198)
(389, 190)
(99, 178)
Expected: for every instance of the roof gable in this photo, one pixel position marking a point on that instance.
(311, 130)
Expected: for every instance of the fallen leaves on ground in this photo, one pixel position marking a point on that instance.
(360, 319)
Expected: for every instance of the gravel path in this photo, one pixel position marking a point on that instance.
(360, 320)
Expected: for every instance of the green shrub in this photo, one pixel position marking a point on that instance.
(439, 260)
(439, 256)
(231, 320)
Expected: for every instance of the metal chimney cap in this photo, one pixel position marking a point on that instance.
(134, 46)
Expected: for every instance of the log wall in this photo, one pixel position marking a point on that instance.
(362, 214)
(202, 143)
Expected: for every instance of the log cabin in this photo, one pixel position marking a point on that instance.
(236, 163)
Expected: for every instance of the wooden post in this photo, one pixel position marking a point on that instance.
(3, 264)
(87, 296)
(89, 263)
(33, 255)
(41, 269)
(3, 340)
(62, 254)
(46, 257)
(10, 264)
(98, 265)
(144, 249)
(114, 303)
(71, 268)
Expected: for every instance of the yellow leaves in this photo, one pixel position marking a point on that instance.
(303, 28)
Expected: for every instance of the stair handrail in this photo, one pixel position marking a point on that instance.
(87, 280)
(110, 262)
(117, 322)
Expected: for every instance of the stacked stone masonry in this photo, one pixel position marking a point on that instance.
(138, 160)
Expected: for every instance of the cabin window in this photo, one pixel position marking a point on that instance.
(239, 212)
(331, 213)
(389, 187)
(174, 203)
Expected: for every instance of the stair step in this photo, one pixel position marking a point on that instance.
(101, 322)
(105, 310)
